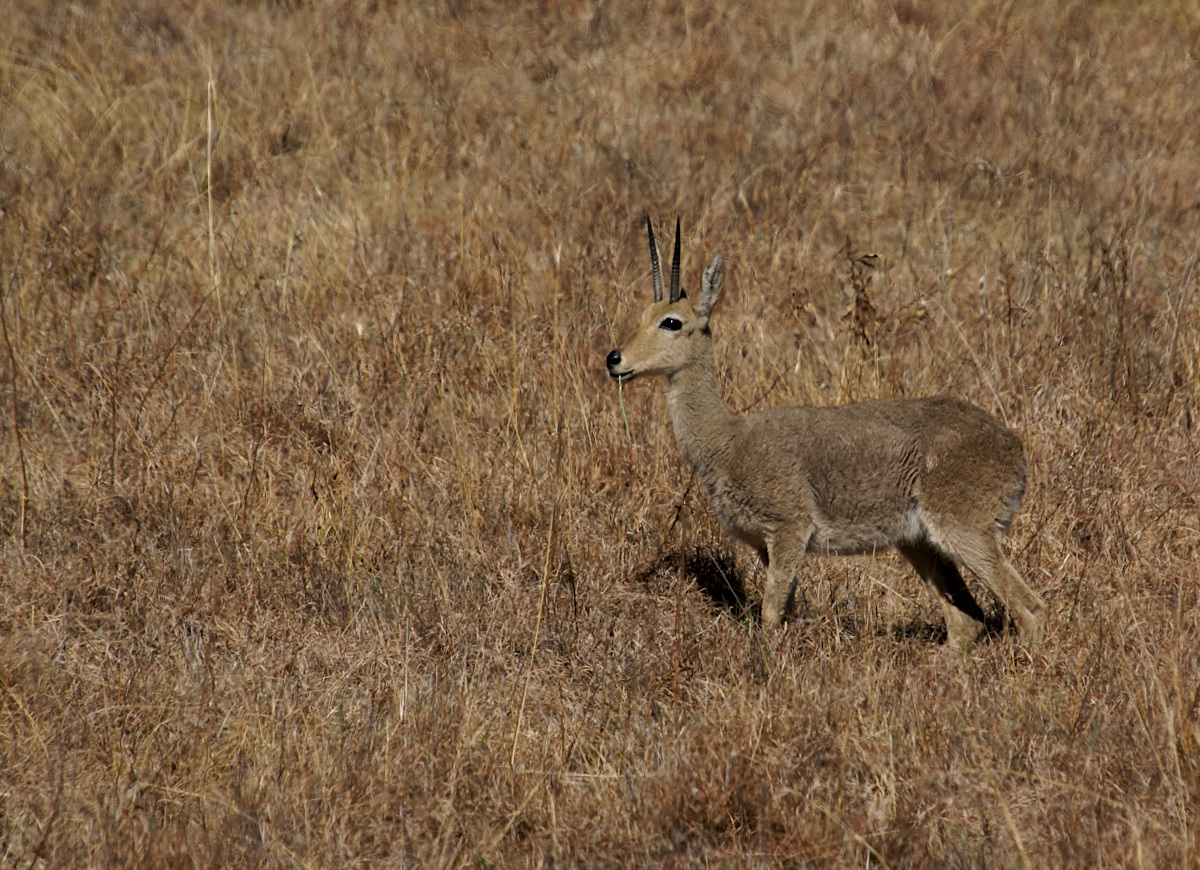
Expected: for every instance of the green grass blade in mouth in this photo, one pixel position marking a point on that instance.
(621, 402)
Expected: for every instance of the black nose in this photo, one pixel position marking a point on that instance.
(614, 359)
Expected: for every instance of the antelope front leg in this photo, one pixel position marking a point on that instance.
(785, 552)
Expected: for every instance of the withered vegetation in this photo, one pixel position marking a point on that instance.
(322, 539)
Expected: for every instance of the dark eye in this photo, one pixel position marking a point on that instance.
(672, 323)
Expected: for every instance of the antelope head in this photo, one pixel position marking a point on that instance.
(672, 330)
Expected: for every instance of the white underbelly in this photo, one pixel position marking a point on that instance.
(868, 535)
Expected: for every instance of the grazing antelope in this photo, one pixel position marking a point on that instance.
(937, 479)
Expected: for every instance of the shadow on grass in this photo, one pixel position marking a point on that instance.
(995, 626)
(714, 572)
(716, 575)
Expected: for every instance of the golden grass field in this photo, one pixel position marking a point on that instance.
(324, 543)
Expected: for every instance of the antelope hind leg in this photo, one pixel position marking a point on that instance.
(964, 618)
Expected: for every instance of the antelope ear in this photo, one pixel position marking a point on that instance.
(710, 290)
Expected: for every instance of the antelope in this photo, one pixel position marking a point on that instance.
(936, 478)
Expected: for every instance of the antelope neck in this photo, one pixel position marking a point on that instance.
(704, 428)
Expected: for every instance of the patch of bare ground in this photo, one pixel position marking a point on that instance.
(323, 541)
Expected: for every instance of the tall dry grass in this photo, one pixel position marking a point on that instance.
(323, 541)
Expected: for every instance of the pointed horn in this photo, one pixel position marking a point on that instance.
(675, 266)
(655, 268)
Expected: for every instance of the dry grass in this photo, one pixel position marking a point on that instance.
(322, 540)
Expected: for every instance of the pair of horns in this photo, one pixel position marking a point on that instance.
(657, 267)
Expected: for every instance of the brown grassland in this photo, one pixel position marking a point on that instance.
(324, 541)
